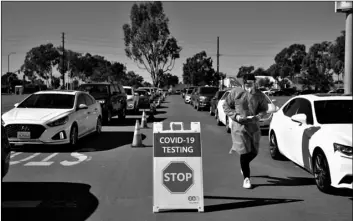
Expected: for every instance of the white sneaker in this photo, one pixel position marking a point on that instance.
(247, 184)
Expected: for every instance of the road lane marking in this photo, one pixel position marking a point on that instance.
(28, 158)
(44, 162)
(79, 156)
(13, 154)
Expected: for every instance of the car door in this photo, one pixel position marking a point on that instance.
(92, 113)
(302, 134)
(81, 115)
(284, 129)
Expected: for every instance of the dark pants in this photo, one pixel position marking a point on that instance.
(245, 160)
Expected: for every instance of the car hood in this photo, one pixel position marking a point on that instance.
(339, 133)
(32, 114)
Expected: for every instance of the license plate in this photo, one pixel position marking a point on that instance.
(24, 135)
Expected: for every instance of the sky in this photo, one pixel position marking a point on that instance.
(250, 33)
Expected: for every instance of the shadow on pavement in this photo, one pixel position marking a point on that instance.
(92, 143)
(47, 201)
(132, 121)
(162, 107)
(341, 192)
(264, 132)
(160, 112)
(244, 202)
(289, 181)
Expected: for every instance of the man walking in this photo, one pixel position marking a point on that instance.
(245, 106)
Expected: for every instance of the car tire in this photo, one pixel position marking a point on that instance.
(227, 125)
(99, 126)
(73, 136)
(274, 151)
(219, 123)
(321, 172)
(108, 117)
(122, 114)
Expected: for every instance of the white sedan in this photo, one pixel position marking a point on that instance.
(53, 117)
(315, 132)
(222, 118)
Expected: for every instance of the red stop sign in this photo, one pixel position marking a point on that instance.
(178, 177)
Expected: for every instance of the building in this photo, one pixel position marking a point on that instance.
(229, 82)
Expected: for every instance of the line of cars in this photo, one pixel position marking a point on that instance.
(212, 99)
(56, 117)
(313, 131)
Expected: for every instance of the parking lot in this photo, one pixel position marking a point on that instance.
(106, 179)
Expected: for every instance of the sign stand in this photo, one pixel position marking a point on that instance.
(177, 168)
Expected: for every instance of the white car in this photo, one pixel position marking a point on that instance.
(315, 132)
(187, 96)
(222, 118)
(53, 117)
(132, 99)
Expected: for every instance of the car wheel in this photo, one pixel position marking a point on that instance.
(99, 126)
(73, 136)
(215, 113)
(274, 151)
(227, 125)
(321, 172)
(122, 114)
(108, 117)
(219, 123)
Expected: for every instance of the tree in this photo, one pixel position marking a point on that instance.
(198, 70)
(168, 80)
(148, 41)
(132, 79)
(284, 83)
(55, 82)
(316, 66)
(40, 60)
(260, 72)
(146, 84)
(265, 82)
(243, 70)
(274, 71)
(337, 52)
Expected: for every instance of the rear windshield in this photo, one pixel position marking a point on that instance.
(128, 91)
(208, 90)
(97, 91)
(334, 111)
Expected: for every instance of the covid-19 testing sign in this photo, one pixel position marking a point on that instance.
(177, 167)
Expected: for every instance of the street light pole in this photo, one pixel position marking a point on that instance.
(8, 69)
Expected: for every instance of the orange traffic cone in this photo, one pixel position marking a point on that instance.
(137, 140)
(144, 120)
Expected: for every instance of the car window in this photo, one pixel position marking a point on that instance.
(334, 111)
(89, 101)
(305, 108)
(128, 91)
(291, 108)
(113, 89)
(121, 89)
(81, 100)
(225, 95)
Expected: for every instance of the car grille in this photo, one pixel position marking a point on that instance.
(36, 130)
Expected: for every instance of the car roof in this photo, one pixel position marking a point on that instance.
(72, 92)
(325, 97)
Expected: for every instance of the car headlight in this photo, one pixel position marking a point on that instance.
(202, 98)
(58, 122)
(343, 149)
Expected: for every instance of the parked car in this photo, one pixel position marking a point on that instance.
(188, 94)
(214, 101)
(150, 90)
(132, 99)
(5, 151)
(53, 117)
(193, 94)
(112, 98)
(203, 96)
(315, 132)
(223, 119)
(337, 91)
(144, 98)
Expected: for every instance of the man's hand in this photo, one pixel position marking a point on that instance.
(239, 118)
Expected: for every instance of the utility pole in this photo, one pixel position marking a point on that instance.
(63, 60)
(218, 61)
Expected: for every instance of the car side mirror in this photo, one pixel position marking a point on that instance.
(299, 118)
(16, 104)
(82, 106)
(274, 100)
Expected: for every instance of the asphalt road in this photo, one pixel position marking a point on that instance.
(106, 179)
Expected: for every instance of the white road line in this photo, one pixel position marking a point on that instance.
(44, 162)
(79, 156)
(28, 158)
(13, 154)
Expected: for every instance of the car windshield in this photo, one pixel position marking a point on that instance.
(334, 111)
(128, 91)
(189, 91)
(52, 101)
(208, 90)
(97, 91)
(141, 92)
